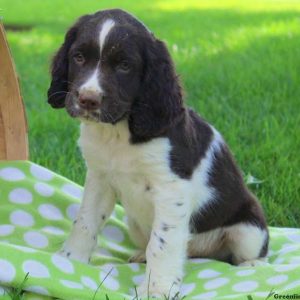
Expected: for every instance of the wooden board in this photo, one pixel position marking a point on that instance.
(13, 126)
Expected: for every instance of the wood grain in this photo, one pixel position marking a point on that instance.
(13, 126)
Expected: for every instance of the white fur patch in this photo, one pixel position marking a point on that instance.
(128, 168)
(202, 192)
(245, 241)
(106, 27)
(92, 84)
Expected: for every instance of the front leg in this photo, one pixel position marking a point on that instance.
(166, 251)
(96, 207)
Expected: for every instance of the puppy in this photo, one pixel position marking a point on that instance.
(177, 181)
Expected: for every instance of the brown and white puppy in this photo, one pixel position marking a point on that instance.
(180, 187)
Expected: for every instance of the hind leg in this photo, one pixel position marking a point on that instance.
(248, 244)
(209, 244)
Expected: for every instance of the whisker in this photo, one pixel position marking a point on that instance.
(59, 92)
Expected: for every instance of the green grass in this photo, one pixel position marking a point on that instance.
(239, 62)
(17, 293)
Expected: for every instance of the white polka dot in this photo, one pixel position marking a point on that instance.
(20, 196)
(286, 230)
(44, 189)
(36, 239)
(292, 285)
(287, 245)
(287, 248)
(295, 260)
(200, 260)
(35, 269)
(72, 211)
(72, 190)
(6, 230)
(278, 260)
(215, 283)
(11, 174)
(285, 268)
(72, 284)
(135, 267)
(53, 230)
(104, 252)
(62, 264)
(126, 296)
(294, 237)
(138, 279)
(113, 233)
(7, 271)
(110, 268)
(277, 279)
(108, 277)
(125, 220)
(37, 289)
(245, 272)
(24, 249)
(41, 173)
(132, 292)
(113, 214)
(205, 296)
(187, 288)
(89, 282)
(245, 286)
(50, 212)
(21, 218)
(109, 282)
(261, 294)
(208, 273)
(116, 247)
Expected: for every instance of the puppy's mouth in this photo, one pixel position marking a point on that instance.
(97, 115)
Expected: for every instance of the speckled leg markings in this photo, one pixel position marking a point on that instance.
(165, 255)
(97, 205)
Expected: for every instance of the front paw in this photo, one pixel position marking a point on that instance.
(159, 289)
(74, 254)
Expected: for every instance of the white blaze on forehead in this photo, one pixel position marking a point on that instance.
(92, 83)
(105, 29)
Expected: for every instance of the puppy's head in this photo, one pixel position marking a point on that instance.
(111, 67)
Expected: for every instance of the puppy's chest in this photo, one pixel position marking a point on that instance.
(132, 170)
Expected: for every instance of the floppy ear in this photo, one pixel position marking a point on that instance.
(59, 84)
(160, 99)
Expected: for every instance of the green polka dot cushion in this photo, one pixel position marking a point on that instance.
(37, 207)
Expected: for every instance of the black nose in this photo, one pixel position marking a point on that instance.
(89, 101)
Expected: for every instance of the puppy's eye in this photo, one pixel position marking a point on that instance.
(123, 66)
(78, 58)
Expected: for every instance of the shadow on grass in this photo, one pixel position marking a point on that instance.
(187, 23)
(17, 27)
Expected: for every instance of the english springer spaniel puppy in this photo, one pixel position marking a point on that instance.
(171, 170)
